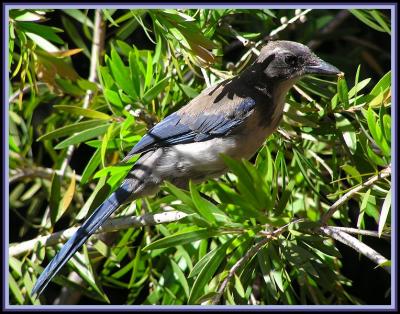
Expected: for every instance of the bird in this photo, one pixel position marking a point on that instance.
(233, 118)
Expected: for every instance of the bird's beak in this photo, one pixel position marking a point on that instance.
(321, 67)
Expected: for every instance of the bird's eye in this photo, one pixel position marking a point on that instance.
(291, 60)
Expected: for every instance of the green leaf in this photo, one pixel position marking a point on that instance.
(67, 197)
(149, 71)
(104, 143)
(42, 43)
(181, 277)
(125, 48)
(89, 113)
(383, 84)
(376, 132)
(377, 160)
(387, 127)
(44, 31)
(114, 170)
(105, 250)
(366, 200)
(181, 239)
(82, 136)
(346, 128)
(113, 97)
(239, 287)
(204, 207)
(28, 285)
(91, 166)
(180, 194)
(74, 35)
(70, 129)
(95, 199)
(189, 91)
(12, 145)
(385, 211)
(207, 273)
(108, 15)
(300, 160)
(121, 74)
(343, 92)
(363, 15)
(15, 289)
(267, 271)
(87, 85)
(285, 198)
(26, 16)
(69, 87)
(55, 196)
(156, 89)
(353, 172)
(203, 261)
(377, 15)
(125, 98)
(134, 72)
(82, 266)
(79, 16)
(105, 77)
(251, 185)
(358, 87)
(381, 141)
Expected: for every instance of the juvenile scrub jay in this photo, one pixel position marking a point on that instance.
(233, 117)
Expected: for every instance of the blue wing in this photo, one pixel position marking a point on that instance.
(172, 130)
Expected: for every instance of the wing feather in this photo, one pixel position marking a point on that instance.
(172, 130)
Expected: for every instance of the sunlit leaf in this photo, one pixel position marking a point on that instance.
(384, 211)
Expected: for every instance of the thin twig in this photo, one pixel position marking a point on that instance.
(332, 209)
(291, 21)
(369, 233)
(99, 30)
(250, 253)
(329, 28)
(357, 245)
(255, 48)
(37, 172)
(24, 90)
(110, 225)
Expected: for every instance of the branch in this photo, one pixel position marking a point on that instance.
(286, 24)
(250, 253)
(332, 209)
(24, 90)
(36, 172)
(110, 225)
(97, 50)
(361, 232)
(255, 47)
(357, 245)
(333, 25)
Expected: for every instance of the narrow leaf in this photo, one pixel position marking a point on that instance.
(67, 198)
(181, 239)
(84, 112)
(385, 211)
(82, 136)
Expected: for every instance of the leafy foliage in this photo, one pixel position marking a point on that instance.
(255, 228)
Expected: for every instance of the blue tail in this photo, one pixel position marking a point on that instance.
(98, 217)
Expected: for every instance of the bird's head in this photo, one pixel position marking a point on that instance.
(288, 60)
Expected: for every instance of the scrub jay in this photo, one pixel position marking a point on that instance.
(233, 117)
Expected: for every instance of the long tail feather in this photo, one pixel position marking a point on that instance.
(98, 217)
